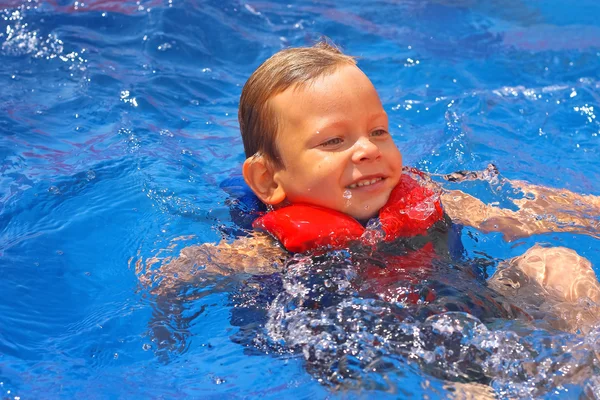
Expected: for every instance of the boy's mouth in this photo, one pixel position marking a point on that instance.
(365, 182)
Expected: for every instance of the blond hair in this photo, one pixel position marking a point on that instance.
(289, 67)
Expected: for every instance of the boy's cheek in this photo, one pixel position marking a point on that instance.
(318, 167)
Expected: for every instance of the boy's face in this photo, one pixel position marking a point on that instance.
(334, 141)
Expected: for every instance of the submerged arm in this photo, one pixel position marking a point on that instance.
(542, 210)
(255, 254)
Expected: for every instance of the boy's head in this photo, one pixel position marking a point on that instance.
(314, 131)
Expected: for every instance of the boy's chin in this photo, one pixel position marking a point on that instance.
(369, 209)
(365, 214)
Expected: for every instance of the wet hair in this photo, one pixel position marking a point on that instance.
(289, 67)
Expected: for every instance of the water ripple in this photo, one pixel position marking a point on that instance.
(118, 122)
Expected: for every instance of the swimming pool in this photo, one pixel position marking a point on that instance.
(118, 123)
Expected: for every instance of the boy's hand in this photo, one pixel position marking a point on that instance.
(564, 204)
(542, 210)
(555, 282)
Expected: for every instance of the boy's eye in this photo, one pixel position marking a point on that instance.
(379, 132)
(332, 142)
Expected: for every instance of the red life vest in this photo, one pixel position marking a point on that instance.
(410, 211)
(410, 268)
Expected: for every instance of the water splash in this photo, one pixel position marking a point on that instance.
(490, 174)
(427, 206)
(351, 339)
(20, 39)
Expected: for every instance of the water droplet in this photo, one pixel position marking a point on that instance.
(146, 347)
(347, 194)
(90, 175)
(165, 47)
(54, 190)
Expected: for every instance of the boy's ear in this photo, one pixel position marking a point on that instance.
(259, 175)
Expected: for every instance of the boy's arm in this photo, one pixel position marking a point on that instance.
(255, 254)
(542, 210)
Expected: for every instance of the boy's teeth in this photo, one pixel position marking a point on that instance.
(366, 182)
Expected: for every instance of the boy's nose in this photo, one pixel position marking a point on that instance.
(365, 150)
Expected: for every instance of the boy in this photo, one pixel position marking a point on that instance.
(315, 132)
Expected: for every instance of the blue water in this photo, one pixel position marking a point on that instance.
(118, 121)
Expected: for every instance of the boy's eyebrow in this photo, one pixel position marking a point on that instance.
(342, 123)
(378, 114)
(332, 124)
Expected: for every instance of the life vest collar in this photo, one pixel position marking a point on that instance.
(411, 210)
